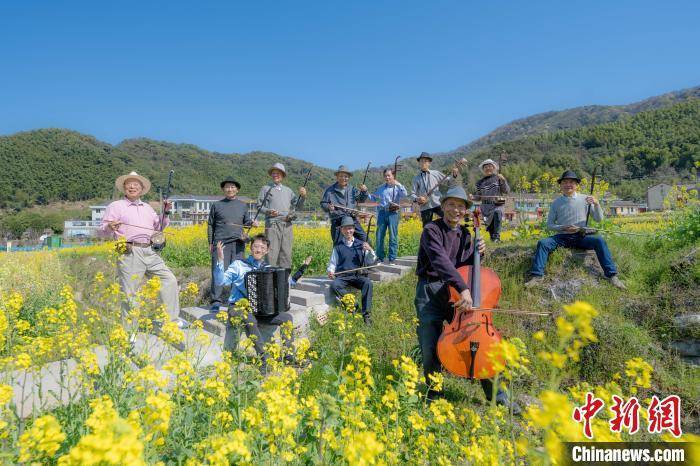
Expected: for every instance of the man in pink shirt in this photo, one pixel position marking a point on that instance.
(136, 221)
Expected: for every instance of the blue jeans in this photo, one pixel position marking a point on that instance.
(548, 245)
(388, 220)
(433, 307)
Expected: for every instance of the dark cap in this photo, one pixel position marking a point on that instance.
(424, 155)
(230, 180)
(569, 174)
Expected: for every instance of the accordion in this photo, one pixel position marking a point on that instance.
(268, 291)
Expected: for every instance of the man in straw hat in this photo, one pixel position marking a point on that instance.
(135, 221)
(225, 225)
(342, 194)
(425, 181)
(489, 190)
(567, 217)
(276, 201)
(445, 245)
(351, 253)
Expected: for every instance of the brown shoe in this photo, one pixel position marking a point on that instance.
(617, 283)
(534, 281)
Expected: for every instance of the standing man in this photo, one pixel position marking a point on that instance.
(423, 182)
(341, 194)
(134, 220)
(445, 245)
(567, 216)
(389, 196)
(352, 253)
(225, 225)
(275, 201)
(489, 190)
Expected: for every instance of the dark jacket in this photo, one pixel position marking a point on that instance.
(442, 250)
(336, 197)
(223, 213)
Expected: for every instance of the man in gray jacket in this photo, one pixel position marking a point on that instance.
(341, 196)
(277, 202)
(567, 217)
(425, 181)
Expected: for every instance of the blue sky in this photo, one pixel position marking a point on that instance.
(327, 81)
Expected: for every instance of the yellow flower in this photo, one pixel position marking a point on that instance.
(112, 440)
(436, 380)
(23, 361)
(363, 448)
(639, 371)
(6, 393)
(42, 440)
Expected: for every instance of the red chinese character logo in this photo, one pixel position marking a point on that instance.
(665, 415)
(586, 412)
(626, 414)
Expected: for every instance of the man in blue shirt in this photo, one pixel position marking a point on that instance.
(234, 276)
(389, 197)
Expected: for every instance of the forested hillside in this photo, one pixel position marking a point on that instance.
(59, 165)
(652, 146)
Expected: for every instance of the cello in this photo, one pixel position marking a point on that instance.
(465, 343)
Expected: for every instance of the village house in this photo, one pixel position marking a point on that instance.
(657, 194)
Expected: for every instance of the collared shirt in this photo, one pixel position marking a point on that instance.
(571, 210)
(370, 256)
(386, 195)
(235, 276)
(137, 213)
(423, 182)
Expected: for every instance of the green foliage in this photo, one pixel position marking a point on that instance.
(657, 145)
(686, 227)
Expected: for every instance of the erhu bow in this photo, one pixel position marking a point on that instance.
(158, 238)
(395, 206)
(292, 215)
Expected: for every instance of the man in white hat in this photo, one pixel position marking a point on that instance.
(134, 220)
(490, 191)
(276, 201)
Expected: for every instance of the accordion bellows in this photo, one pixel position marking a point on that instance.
(268, 291)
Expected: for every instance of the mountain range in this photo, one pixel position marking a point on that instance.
(651, 140)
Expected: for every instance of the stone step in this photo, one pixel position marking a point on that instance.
(407, 262)
(310, 286)
(210, 323)
(306, 298)
(379, 276)
(389, 268)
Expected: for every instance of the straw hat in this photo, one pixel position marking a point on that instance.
(119, 184)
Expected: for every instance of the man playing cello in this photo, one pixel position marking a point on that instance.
(445, 245)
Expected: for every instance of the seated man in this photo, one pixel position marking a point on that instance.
(567, 216)
(235, 277)
(351, 253)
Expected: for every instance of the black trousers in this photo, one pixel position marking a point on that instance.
(232, 251)
(335, 230)
(340, 288)
(250, 326)
(494, 228)
(427, 214)
(432, 308)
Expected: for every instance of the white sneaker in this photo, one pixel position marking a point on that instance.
(181, 323)
(617, 283)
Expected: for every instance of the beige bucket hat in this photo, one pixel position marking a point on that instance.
(119, 184)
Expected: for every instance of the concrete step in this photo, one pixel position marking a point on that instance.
(379, 276)
(310, 286)
(306, 298)
(210, 323)
(391, 268)
(407, 262)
